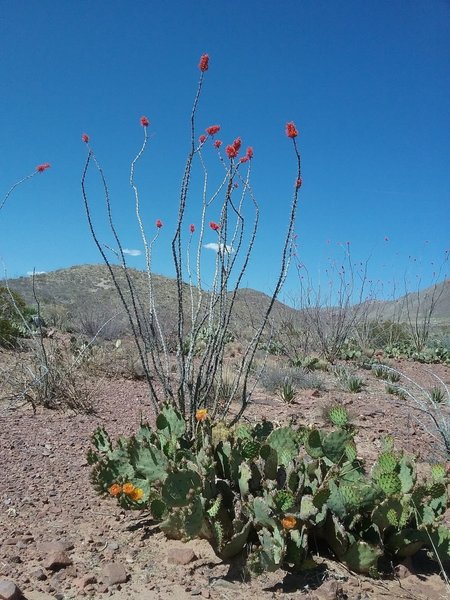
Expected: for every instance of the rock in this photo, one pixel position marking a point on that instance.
(180, 556)
(405, 568)
(114, 573)
(58, 546)
(330, 590)
(38, 574)
(82, 582)
(9, 590)
(112, 545)
(57, 560)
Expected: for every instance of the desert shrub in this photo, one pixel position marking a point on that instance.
(387, 333)
(348, 380)
(268, 493)
(15, 317)
(203, 319)
(274, 376)
(46, 373)
(57, 316)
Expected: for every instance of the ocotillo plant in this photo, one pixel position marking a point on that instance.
(203, 318)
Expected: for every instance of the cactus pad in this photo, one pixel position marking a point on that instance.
(338, 416)
(390, 483)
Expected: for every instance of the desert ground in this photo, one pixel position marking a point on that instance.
(60, 540)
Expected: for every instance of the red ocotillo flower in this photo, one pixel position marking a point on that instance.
(244, 159)
(298, 183)
(192, 228)
(85, 138)
(204, 63)
(237, 144)
(144, 121)
(202, 138)
(291, 130)
(159, 223)
(231, 151)
(249, 152)
(217, 144)
(213, 129)
(214, 226)
(43, 167)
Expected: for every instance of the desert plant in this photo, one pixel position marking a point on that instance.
(15, 317)
(438, 395)
(348, 380)
(233, 206)
(273, 376)
(434, 406)
(267, 492)
(395, 390)
(287, 391)
(333, 312)
(420, 308)
(384, 372)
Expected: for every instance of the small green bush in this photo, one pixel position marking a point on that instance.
(13, 312)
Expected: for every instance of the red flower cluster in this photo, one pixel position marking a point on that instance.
(204, 63)
(237, 144)
(291, 130)
(249, 152)
(43, 167)
(217, 144)
(213, 129)
(145, 122)
(85, 138)
(214, 226)
(192, 228)
(231, 151)
(244, 159)
(202, 139)
(159, 223)
(298, 183)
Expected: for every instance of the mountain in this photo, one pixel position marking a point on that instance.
(85, 297)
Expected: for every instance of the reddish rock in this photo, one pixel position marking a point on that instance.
(85, 580)
(180, 556)
(114, 573)
(58, 546)
(57, 560)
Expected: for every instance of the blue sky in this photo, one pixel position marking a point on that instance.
(367, 84)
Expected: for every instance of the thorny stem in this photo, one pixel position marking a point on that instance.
(90, 155)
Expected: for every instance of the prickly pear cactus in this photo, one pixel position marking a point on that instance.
(265, 491)
(338, 416)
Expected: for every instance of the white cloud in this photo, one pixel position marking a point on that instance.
(219, 248)
(30, 273)
(132, 252)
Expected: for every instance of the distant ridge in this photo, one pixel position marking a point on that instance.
(84, 288)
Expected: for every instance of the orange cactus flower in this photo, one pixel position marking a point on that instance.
(115, 489)
(201, 414)
(289, 522)
(128, 489)
(137, 494)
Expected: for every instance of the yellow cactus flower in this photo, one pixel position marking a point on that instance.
(289, 522)
(128, 488)
(137, 494)
(201, 414)
(115, 489)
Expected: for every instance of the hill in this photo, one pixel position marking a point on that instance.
(85, 295)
